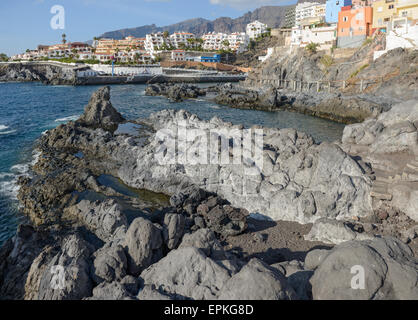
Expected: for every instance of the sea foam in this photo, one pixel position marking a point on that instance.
(66, 119)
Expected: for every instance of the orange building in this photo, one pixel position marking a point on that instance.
(354, 26)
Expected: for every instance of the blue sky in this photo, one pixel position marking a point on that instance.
(26, 23)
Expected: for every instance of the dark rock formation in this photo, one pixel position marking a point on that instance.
(99, 112)
(46, 73)
(175, 92)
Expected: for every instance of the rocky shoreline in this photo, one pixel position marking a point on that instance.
(196, 232)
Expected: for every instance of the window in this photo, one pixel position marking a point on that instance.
(345, 19)
(404, 13)
(391, 6)
(342, 29)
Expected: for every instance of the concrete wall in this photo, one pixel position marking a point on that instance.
(350, 42)
(126, 70)
(400, 38)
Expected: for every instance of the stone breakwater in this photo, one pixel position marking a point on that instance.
(333, 106)
(104, 243)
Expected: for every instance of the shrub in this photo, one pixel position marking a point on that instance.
(327, 61)
(355, 73)
(367, 41)
(312, 47)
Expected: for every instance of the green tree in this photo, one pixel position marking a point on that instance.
(226, 43)
(166, 34)
(251, 45)
(4, 57)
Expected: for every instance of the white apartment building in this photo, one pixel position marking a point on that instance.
(179, 39)
(218, 41)
(323, 36)
(256, 29)
(154, 41)
(309, 10)
(238, 41)
(214, 41)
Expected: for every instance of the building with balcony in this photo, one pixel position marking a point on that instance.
(324, 36)
(290, 17)
(354, 26)
(407, 9)
(361, 3)
(256, 29)
(237, 42)
(383, 13)
(333, 7)
(178, 55)
(181, 39)
(154, 42)
(306, 10)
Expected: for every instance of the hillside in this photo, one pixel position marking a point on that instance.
(273, 16)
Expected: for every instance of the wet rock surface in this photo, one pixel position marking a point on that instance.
(201, 240)
(43, 72)
(175, 92)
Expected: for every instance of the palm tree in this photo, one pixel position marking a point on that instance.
(64, 38)
(166, 34)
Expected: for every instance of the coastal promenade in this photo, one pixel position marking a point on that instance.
(81, 75)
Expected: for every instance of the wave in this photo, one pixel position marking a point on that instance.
(66, 119)
(3, 127)
(9, 188)
(8, 180)
(7, 132)
(214, 107)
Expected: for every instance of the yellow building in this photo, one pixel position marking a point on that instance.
(407, 9)
(383, 12)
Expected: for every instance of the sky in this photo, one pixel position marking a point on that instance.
(26, 23)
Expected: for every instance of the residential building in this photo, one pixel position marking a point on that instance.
(309, 10)
(214, 41)
(238, 41)
(383, 13)
(361, 3)
(407, 9)
(333, 7)
(181, 39)
(111, 46)
(402, 33)
(296, 38)
(256, 29)
(354, 26)
(324, 36)
(178, 55)
(104, 57)
(290, 17)
(154, 42)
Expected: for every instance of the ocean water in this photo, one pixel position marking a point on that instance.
(29, 109)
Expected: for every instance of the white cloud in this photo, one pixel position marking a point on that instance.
(245, 4)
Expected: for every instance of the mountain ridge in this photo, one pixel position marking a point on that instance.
(273, 16)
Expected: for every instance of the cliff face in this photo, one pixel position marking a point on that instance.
(392, 77)
(43, 72)
(273, 16)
